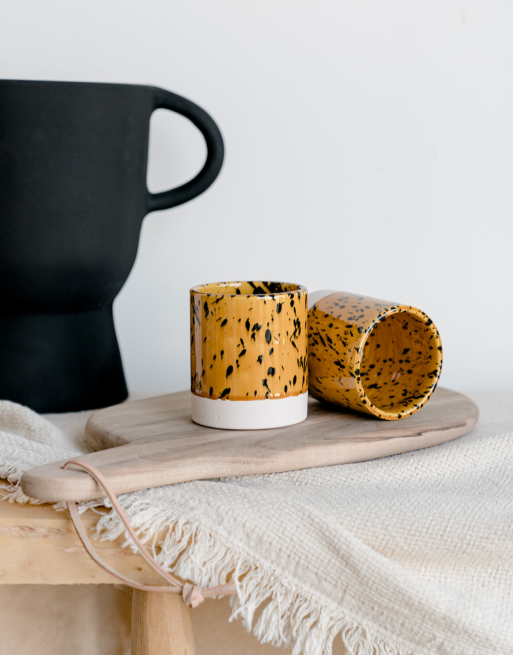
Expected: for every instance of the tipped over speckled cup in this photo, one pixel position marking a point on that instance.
(249, 366)
(371, 356)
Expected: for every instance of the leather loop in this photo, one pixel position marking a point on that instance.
(192, 595)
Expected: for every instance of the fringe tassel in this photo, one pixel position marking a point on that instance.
(10, 476)
(291, 616)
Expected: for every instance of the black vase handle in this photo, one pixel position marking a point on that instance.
(215, 152)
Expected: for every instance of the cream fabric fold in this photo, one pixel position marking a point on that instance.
(411, 554)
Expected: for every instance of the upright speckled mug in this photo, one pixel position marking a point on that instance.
(372, 356)
(249, 365)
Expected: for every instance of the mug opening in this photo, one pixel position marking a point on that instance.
(248, 288)
(401, 363)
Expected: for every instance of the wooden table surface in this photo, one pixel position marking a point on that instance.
(39, 545)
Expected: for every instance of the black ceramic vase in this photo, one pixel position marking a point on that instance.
(73, 195)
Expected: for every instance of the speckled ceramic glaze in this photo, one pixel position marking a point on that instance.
(249, 344)
(372, 356)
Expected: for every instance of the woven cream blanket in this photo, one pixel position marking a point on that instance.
(406, 555)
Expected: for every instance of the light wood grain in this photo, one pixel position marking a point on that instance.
(154, 442)
(40, 546)
(161, 625)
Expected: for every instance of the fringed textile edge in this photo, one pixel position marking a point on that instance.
(290, 616)
(10, 476)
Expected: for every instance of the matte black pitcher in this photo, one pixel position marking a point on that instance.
(73, 195)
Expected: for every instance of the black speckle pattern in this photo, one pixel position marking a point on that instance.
(372, 356)
(245, 330)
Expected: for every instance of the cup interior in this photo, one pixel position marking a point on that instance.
(401, 363)
(248, 288)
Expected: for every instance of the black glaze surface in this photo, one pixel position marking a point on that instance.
(73, 194)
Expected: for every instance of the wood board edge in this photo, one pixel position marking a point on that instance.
(52, 484)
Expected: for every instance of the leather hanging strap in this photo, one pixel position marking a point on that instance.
(191, 594)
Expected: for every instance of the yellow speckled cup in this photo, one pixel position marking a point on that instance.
(372, 356)
(249, 366)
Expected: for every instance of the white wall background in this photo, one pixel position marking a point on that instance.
(369, 148)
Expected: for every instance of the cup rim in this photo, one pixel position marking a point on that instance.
(202, 289)
(397, 309)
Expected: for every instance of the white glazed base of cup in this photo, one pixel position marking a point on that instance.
(249, 414)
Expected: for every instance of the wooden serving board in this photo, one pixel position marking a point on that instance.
(149, 443)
